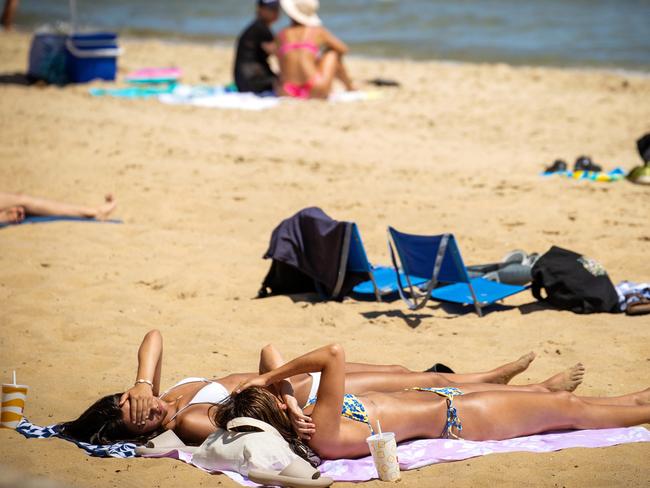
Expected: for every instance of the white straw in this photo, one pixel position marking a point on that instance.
(379, 427)
(15, 377)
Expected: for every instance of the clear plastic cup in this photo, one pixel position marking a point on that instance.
(383, 448)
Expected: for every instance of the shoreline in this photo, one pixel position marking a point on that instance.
(229, 43)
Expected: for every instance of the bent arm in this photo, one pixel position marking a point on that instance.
(334, 43)
(150, 359)
(330, 361)
(141, 394)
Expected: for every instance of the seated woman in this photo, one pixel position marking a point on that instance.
(344, 421)
(142, 413)
(304, 71)
(15, 206)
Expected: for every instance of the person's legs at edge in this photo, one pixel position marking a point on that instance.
(12, 215)
(41, 206)
(505, 415)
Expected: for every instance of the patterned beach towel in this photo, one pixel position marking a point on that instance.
(118, 450)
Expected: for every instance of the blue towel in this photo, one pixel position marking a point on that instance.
(118, 450)
(34, 219)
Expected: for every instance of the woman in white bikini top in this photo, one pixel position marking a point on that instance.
(141, 413)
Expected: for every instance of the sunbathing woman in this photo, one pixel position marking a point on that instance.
(304, 71)
(15, 206)
(344, 421)
(141, 413)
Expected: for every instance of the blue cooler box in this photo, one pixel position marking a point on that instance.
(92, 56)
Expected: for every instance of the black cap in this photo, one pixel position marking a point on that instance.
(268, 3)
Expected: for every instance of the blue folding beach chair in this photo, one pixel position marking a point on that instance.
(437, 259)
(383, 280)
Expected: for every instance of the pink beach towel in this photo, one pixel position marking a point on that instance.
(416, 454)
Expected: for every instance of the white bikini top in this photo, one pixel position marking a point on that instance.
(213, 393)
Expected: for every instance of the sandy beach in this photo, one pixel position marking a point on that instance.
(458, 148)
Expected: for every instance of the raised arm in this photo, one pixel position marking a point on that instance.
(330, 361)
(270, 359)
(147, 381)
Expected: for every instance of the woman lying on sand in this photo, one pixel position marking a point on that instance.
(344, 421)
(142, 413)
(15, 206)
(304, 72)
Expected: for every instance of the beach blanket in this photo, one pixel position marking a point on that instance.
(412, 455)
(616, 174)
(35, 219)
(218, 96)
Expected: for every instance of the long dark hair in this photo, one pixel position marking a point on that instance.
(102, 424)
(261, 404)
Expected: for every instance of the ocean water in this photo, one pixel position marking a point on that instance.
(585, 33)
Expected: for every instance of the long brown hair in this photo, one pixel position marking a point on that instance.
(102, 424)
(261, 404)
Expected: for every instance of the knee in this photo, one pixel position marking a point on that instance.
(396, 368)
(335, 350)
(568, 399)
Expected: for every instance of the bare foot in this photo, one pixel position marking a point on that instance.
(103, 211)
(505, 373)
(12, 215)
(567, 380)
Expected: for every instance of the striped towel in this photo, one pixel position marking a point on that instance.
(118, 450)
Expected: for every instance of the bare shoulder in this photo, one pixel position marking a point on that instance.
(194, 426)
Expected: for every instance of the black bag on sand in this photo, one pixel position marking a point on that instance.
(573, 282)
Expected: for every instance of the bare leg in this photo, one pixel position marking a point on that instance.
(328, 67)
(8, 13)
(342, 75)
(504, 415)
(358, 383)
(41, 206)
(502, 374)
(631, 399)
(375, 368)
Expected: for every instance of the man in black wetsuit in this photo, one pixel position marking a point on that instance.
(255, 44)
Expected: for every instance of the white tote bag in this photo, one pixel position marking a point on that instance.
(229, 450)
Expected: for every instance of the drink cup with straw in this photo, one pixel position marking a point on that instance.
(383, 448)
(13, 403)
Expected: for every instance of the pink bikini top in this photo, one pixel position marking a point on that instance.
(285, 46)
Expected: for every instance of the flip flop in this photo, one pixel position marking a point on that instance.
(557, 166)
(298, 474)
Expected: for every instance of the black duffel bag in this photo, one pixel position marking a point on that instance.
(573, 282)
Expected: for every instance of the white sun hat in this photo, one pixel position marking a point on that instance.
(302, 11)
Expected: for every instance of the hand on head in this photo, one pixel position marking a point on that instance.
(302, 423)
(142, 403)
(256, 381)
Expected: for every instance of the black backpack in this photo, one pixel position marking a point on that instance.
(573, 282)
